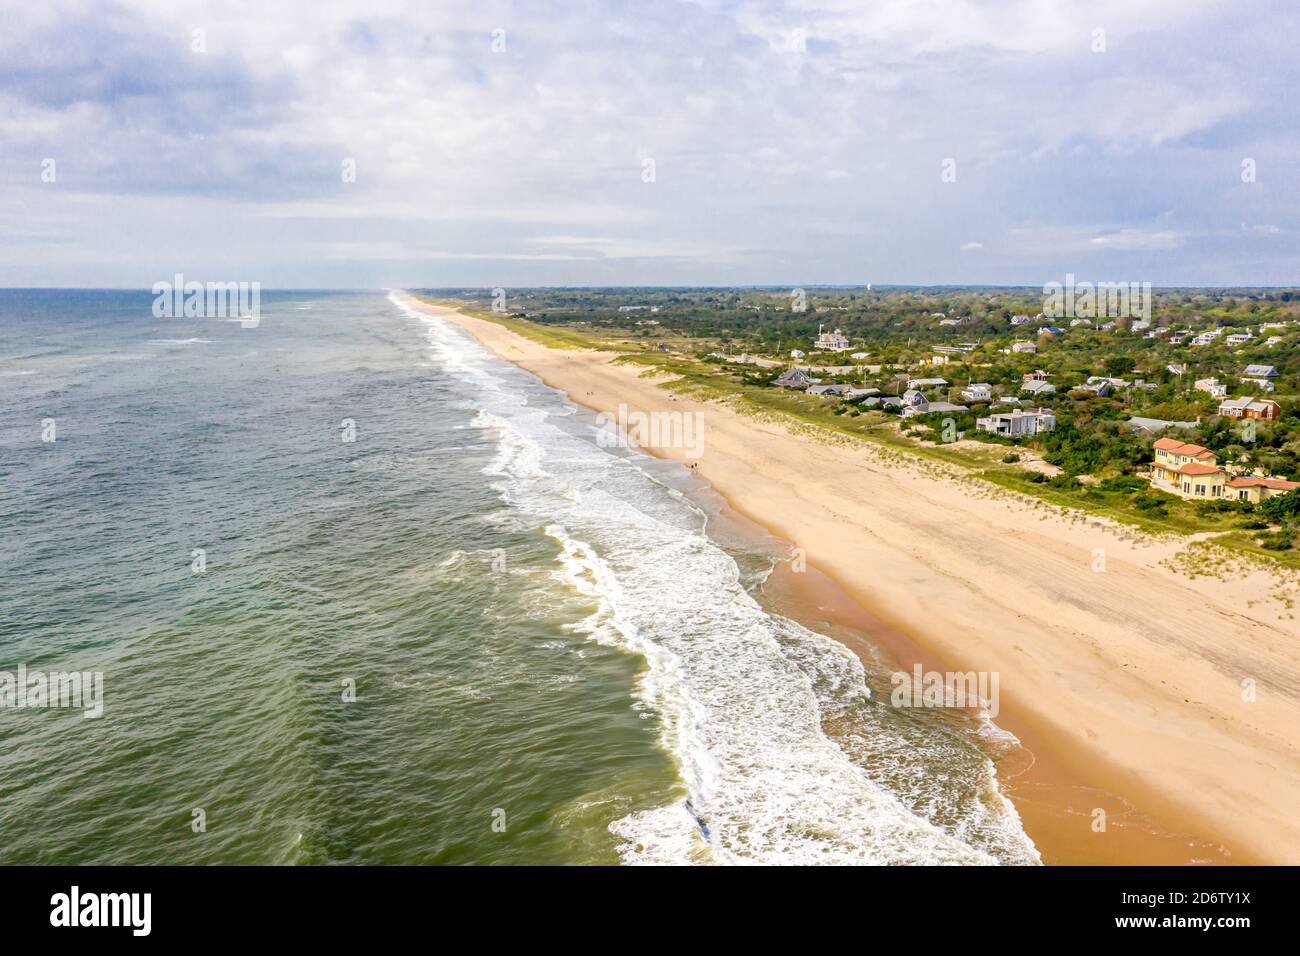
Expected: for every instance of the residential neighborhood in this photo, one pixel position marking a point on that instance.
(1039, 402)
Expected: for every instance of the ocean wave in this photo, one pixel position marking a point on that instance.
(741, 696)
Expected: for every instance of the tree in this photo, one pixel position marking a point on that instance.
(1282, 509)
(1117, 365)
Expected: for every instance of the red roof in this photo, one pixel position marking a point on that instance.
(1276, 483)
(1183, 448)
(1196, 468)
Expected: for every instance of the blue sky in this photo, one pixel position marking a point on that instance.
(790, 143)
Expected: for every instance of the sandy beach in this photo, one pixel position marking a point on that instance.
(1129, 680)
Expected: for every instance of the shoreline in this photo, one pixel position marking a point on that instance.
(1122, 701)
(1039, 776)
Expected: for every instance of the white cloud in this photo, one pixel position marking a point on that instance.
(771, 164)
(1130, 240)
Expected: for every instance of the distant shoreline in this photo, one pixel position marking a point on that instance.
(1125, 684)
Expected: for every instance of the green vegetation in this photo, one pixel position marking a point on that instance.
(732, 344)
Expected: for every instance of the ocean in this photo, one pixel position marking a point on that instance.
(361, 592)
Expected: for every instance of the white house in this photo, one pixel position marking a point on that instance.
(977, 392)
(1019, 423)
(1029, 347)
(927, 383)
(1038, 387)
(831, 341)
(1101, 386)
(1212, 386)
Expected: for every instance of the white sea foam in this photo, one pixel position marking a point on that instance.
(740, 694)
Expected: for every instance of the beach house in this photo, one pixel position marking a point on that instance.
(1256, 490)
(1259, 371)
(977, 392)
(1037, 387)
(1246, 407)
(1100, 386)
(1193, 471)
(1020, 423)
(795, 378)
(831, 341)
(1211, 386)
(1187, 470)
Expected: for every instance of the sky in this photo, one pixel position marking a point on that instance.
(439, 144)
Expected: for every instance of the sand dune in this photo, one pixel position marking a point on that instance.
(1136, 668)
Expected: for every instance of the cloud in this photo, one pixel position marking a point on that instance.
(792, 141)
(1130, 240)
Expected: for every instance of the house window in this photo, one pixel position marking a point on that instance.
(1216, 490)
(1187, 487)
(1200, 490)
(1242, 494)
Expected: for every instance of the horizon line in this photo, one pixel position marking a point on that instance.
(874, 287)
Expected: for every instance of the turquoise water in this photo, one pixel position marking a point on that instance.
(552, 662)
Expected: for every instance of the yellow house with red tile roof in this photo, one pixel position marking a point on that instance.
(1193, 471)
(1256, 490)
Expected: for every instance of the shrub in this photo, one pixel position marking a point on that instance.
(1277, 540)
(1010, 459)
(1282, 509)
(1152, 504)
(1123, 483)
